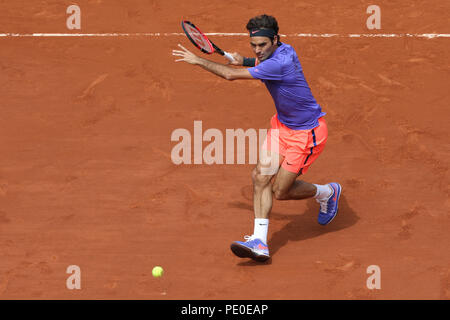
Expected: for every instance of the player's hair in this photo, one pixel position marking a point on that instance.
(263, 22)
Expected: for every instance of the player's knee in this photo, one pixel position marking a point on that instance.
(254, 175)
(259, 179)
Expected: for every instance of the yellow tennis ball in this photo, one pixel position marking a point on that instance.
(157, 272)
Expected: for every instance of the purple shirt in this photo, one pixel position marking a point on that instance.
(283, 76)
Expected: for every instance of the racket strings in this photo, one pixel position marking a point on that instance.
(197, 37)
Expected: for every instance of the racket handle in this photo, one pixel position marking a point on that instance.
(228, 56)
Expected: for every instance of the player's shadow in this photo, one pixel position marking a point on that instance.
(302, 226)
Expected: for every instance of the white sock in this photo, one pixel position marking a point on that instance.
(324, 192)
(261, 228)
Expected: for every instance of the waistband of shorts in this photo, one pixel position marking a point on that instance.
(282, 125)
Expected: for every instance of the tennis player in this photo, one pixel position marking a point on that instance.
(297, 136)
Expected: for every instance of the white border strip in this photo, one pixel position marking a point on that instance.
(303, 35)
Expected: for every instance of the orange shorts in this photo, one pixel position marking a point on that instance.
(300, 148)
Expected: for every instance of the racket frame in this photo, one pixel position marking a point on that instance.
(209, 42)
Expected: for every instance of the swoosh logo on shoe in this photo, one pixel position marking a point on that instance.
(253, 32)
(261, 247)
(335, 193)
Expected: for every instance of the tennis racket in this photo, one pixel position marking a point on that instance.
(201, 41)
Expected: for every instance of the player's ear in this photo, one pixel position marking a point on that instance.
(276, 39)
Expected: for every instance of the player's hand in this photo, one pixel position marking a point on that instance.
(238, 59)
(186, 55)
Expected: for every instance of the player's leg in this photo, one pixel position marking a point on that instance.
(271, 157)
(299, 156)
(255, 246)
(262, 187)
(286, 187)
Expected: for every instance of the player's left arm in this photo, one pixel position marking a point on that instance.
(218, 69)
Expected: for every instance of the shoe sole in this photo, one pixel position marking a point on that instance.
(337, 206)
(245, 252)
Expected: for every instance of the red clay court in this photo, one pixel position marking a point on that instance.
(86, 176)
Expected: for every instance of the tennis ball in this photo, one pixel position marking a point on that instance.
(157, 272)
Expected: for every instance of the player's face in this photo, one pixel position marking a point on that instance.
(263, 47)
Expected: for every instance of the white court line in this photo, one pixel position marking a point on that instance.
(305, 35)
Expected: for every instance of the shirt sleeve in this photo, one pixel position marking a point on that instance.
(269, 69)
